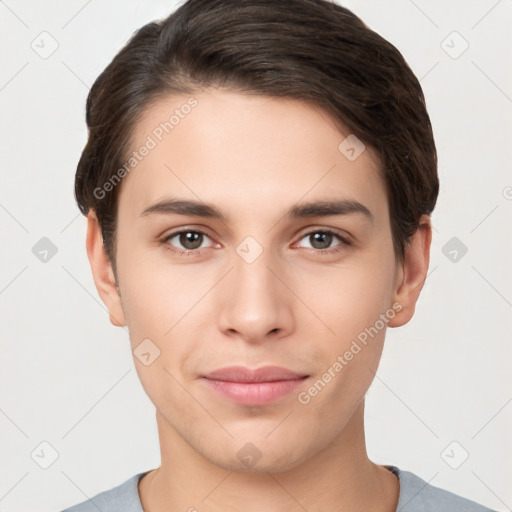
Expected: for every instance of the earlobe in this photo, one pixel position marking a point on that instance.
(102, 271)
(412, 272)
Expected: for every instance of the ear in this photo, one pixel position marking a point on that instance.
(102, 271)
(412, 272)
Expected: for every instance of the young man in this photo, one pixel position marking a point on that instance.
(258, 183)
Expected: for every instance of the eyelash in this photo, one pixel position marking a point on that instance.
(344, 242)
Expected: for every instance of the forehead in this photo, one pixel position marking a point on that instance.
(248, 154)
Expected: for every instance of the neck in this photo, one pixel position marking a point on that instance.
(338, 478)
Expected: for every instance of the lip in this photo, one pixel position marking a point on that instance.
(261, 386)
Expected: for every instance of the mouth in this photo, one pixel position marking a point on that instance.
(261, 386)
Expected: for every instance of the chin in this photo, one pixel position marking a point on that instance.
(260, 468)
(250, 459)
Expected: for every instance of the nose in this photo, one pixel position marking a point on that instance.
(256, 303)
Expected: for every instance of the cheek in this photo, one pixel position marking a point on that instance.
(345, 364)
(350, 296)
(154, 296)
(354, 303)
(168, 305)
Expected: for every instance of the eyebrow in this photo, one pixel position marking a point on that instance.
(302, 211)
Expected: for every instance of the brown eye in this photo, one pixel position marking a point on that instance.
(186, 241)
(322, 240)
(190, 239)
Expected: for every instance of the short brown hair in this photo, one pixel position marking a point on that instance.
(310, 50)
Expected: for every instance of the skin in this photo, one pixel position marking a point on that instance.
(255, 157)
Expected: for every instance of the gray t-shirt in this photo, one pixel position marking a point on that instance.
(416, 495)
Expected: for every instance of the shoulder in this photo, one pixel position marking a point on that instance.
(123, 497)
(417, 495)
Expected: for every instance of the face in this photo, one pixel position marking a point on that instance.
(257, 312)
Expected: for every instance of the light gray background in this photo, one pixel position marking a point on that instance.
(67, 375)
